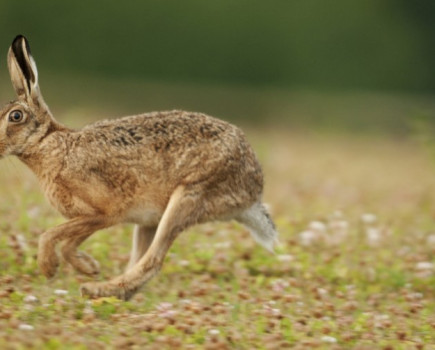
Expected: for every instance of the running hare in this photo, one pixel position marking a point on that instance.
(163, 171)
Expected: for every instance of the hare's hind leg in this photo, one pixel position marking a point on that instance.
(258, 221)
(73, 229)
(142, 238)
(184, 209)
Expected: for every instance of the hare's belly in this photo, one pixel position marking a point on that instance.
(145, 216)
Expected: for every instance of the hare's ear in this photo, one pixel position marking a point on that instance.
(22, 69)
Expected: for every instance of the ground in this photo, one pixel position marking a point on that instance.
(354, 268)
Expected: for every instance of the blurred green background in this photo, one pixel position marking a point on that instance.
(361, 65)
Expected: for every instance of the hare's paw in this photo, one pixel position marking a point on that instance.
(83, 263)
(48, 264)
(96, 290)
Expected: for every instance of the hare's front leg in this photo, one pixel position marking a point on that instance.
(183, 210)
(142, 238)
(76, 228)
(80, 261)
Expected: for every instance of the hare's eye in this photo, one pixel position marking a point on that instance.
(16, 116)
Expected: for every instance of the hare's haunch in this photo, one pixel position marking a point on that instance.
(163, 171)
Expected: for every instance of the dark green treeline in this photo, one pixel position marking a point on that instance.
(360, 44)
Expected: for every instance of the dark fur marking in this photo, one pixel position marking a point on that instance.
(131, 132)
(126, 136)
(120, 128)
(101, 175)
(124, 141)
(50, 129)
(36, 123)
(102, 136)
(208, 131)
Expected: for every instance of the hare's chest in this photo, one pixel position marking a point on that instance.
(65, 202)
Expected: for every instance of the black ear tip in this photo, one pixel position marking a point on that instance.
(22, 56)
(17, 44)
(18, 38)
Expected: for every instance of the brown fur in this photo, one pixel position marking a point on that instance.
(163, 171)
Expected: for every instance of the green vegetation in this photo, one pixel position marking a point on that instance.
(355, 268)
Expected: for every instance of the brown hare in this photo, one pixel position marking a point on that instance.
(163, 171)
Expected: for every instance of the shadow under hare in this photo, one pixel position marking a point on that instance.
(163, 171)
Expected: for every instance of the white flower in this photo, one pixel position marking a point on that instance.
(168, 314)
(30, 299)
(317, 226)
(425, 265)
(214, 331)
(329, 339)
(276, 312)
(431, 240)
(184, 263)
(223, 245)
(164, 306)
(285, 257)
(26, 327)
(60, 292)
(21, 241)
(34, 212)
(88, 310)
(340, 224)
(165, 310)
(279, 285)
(373, 236)
(338, 231)
(322, 291)
(382, 317)
(338, 214)
(416, 295)
(308, 237)
(368, 218)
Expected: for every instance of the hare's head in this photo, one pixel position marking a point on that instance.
(26, 120)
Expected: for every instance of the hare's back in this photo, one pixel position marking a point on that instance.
(172, 134)
(156, 127)
(175, 145)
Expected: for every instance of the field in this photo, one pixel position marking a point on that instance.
(354, 269)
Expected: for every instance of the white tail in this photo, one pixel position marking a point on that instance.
(260, 225)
